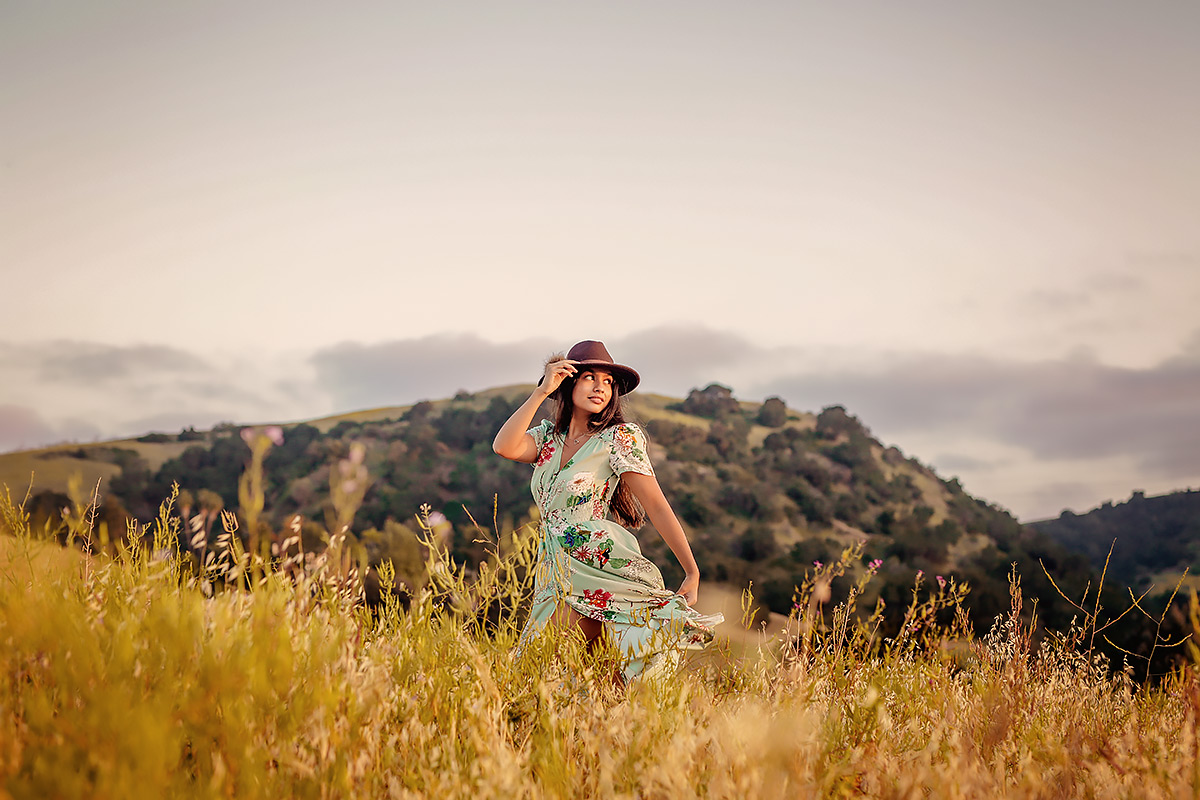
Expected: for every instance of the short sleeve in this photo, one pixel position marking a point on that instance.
(628, 452)
(542, 434)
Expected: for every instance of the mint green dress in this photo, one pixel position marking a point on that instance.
(593, 564)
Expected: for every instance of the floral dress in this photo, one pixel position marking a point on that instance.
(593, 564)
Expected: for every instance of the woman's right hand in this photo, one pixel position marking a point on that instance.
(690, 589)
(556, 372)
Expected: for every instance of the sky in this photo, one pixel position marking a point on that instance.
(976, 226)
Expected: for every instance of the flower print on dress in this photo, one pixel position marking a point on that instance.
(581, 483)
(598, 597)
(580, 489)
(599, 555)
(600, 502)
(573, 537)
(543, 439)
(629, 450)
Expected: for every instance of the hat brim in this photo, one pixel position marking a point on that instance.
(627, 377)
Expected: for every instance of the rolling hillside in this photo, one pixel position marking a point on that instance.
(764, 491)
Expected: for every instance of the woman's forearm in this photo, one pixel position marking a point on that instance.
(671, 531)
(511, 440)
(646, 489)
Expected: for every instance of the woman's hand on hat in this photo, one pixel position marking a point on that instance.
(556, 372)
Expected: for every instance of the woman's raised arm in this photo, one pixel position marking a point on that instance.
(512, 441)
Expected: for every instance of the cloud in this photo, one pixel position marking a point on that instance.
(677, 358)
(88, 363)
(952, 463)
(1061, 409)
(82, 390)
(1055, 496)
(674, 359)
(1094, 289)
(403, 371)
(1115, 282)
(1191, 349)
(22, 427)
(670, 359)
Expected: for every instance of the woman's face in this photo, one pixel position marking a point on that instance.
(593, 390)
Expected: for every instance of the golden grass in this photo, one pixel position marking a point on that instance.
(53, 473)
(38, 555)
(142, 674)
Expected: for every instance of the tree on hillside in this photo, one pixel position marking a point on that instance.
(834, 421)
(773, 413)
(713, 402)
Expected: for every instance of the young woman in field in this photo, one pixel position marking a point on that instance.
(588, 463)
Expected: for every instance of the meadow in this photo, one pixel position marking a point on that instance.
(129, 668)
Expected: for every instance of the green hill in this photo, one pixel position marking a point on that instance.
(763, 490)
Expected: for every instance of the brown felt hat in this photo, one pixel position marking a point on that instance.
(595, 354)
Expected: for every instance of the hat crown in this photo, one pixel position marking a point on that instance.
(589, 351)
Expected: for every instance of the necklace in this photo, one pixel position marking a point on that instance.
(580, 437)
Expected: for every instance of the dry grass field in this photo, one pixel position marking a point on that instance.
(139, 672)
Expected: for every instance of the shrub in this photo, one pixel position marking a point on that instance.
(757, 544)
(713, 401)
(773, 413)
(835, 421)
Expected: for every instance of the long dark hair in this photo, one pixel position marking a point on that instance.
(624, 506)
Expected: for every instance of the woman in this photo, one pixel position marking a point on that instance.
(589, 462)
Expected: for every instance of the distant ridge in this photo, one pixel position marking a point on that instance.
(1155, 537)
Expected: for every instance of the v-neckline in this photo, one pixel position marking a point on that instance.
(563, 451)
